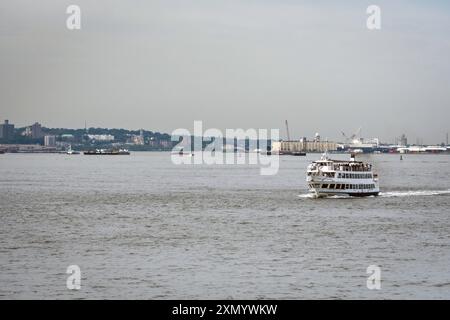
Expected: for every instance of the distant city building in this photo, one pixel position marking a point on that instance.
(152, 142)
(6, 131)
(50, 141)
(165, 143)
(138, 140)
(101, 137)
(36, 131)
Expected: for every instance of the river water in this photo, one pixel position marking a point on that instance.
(141, 227)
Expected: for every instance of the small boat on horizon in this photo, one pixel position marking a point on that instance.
(71, 152)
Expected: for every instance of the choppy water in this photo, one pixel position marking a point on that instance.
(140, 227)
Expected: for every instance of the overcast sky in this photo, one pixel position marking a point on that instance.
(160, 65)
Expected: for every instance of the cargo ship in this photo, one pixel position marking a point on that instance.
(104, 152)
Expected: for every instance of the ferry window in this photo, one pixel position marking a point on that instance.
(331, 186)
(325, 186)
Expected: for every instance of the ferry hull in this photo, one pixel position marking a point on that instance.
(324, 194)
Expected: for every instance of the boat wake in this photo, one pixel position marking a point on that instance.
(413, 193)
(306, 196)
(390, 194)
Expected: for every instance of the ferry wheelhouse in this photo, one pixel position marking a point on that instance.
(327, 177)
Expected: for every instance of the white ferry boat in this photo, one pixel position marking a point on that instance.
(327, 177)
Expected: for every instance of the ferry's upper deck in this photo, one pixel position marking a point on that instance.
(340, 165)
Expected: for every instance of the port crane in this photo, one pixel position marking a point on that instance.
(353, 136)
(287, 131)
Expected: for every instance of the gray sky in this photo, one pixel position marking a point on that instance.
(160, 65)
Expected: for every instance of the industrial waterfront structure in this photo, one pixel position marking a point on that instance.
(302, 145)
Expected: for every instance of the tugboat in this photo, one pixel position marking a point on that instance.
(327, 177)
